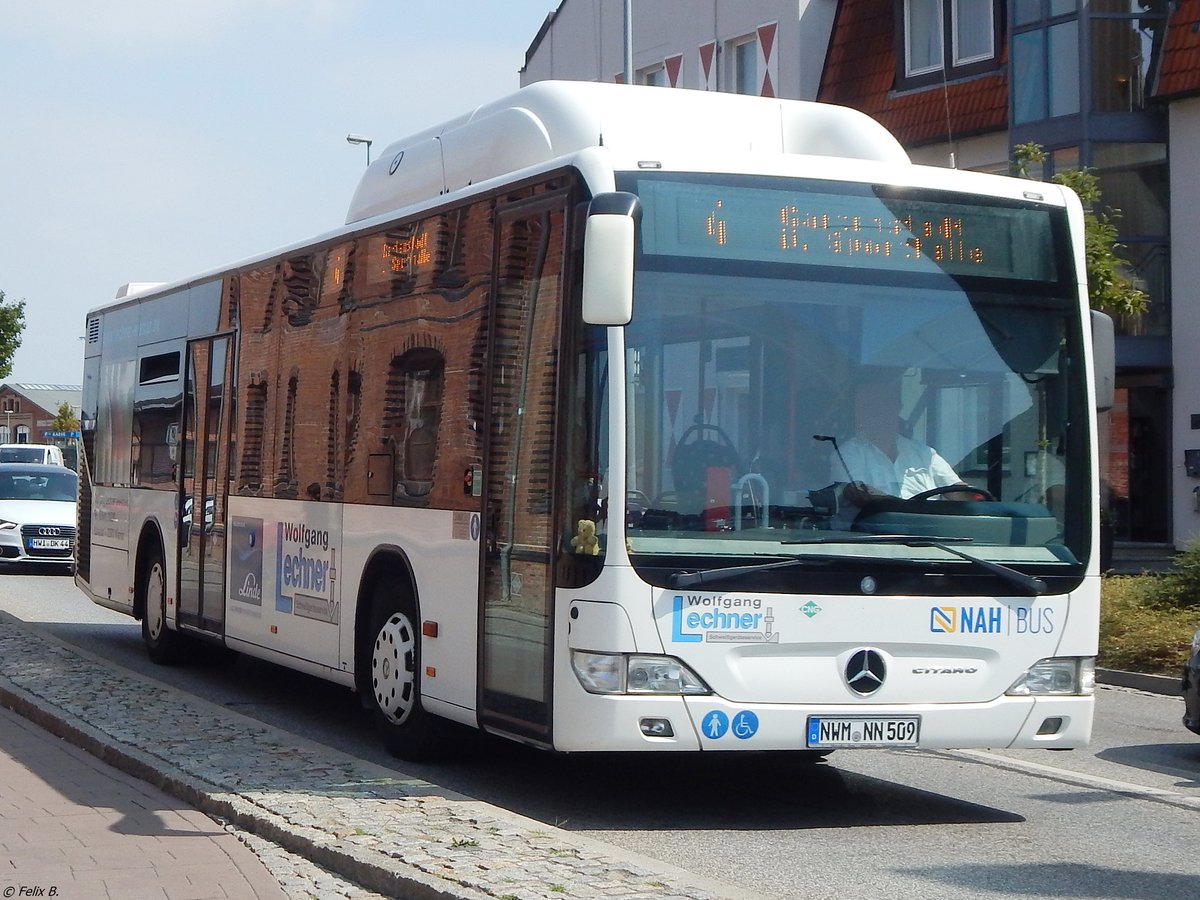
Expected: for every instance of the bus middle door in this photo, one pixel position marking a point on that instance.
(518, 575)
(204, 477)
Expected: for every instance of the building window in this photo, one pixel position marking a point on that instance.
(743, 55)
(22, 434)
(1134, 179)
(923, 36)
(655, 76)
(1126, 46)
(1026, 12)
(1045, 60)
(955, 37)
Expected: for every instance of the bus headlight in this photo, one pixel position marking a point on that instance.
(618, 673)
(1057, 676)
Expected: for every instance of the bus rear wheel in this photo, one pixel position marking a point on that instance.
(394, 688)
(163, 646)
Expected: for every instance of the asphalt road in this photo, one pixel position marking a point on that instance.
(1115, 821)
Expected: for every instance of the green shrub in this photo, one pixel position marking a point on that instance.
(1181, 586)
(1147, 621)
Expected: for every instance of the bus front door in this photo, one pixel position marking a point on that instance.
(204, 476)
(520, 469)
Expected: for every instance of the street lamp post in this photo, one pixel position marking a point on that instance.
(360, 139)
(628, 29)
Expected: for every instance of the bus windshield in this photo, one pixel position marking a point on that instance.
(825, 369)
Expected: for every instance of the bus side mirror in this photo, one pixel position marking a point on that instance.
(609, 243)
(1104, 360)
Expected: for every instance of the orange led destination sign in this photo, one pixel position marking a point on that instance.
(941, 239)
(858, 228)
(408, 254)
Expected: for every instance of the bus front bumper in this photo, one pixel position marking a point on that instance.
(650, 723)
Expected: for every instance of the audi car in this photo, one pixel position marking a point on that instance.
(37, 514)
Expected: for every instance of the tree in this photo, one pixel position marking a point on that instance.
(65, 419)
(12, 323)
(1110, 289)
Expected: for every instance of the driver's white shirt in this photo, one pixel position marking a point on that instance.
(916, 468)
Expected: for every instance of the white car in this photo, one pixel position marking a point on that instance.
(38, 453)
(37, 514)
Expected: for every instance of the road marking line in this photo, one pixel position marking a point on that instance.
(1099, 782)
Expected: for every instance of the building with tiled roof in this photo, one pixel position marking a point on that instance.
(28, 410)
(1179, 69)
(861, 71)
(1103, 84)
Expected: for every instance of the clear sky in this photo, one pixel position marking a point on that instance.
(152, 140)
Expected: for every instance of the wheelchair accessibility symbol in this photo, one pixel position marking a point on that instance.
(743, 725)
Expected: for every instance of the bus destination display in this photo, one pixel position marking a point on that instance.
(857, 228)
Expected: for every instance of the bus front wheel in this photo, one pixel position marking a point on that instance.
(409, 732)
(163, 645)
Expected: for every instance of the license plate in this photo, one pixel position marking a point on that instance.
(863, 731)
(50, 543)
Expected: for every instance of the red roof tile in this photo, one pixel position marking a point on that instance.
(1179, 71)
(860, 71)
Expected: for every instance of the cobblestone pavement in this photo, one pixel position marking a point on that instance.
(324, 823)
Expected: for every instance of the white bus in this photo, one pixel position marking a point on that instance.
(552, 439)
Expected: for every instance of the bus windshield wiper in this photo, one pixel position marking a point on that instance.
(706, 576)
(904, 539)
(1026, 584)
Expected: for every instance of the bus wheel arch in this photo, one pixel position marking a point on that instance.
(163, 645)
(388, 658)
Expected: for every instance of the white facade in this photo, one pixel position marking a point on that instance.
(1185, 316)
(744, 47)
(981, 153)
(715, 46)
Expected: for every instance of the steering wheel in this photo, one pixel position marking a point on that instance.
(980, 493)
(696, 453)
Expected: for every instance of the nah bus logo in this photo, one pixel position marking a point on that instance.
(990, 620)
(966, 619)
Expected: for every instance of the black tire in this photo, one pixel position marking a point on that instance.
(393, 680)
(164, 646)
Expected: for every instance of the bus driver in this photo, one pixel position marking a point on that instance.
(881, 462)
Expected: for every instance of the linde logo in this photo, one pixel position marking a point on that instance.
(250, 590)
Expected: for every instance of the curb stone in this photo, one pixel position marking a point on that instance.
(1154, 684)
(386, 831)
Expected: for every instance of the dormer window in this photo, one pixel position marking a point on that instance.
(946, 39)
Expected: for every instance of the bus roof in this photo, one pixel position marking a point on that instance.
(552, 119)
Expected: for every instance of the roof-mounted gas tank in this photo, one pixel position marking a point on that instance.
(553, 119)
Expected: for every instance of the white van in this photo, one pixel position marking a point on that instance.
(47, 454)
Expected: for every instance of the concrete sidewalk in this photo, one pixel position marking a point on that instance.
(389, 833)
(73, 827)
